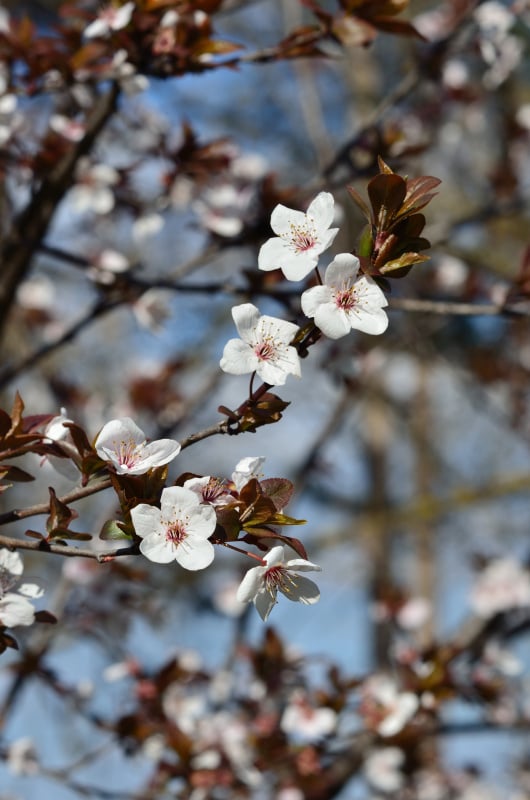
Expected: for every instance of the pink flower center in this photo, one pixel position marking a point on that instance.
(345, 299)
(176, 533)
(213, 490)
(265, 351)
(127, 453)
(303, 238)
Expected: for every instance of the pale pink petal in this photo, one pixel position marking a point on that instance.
(246, 317)
(195, 553)
(159, 452)
(16, 610)
(157, 549)
(250, 585)
(273, 253)
(322, 210)
(283, 220)
(11, 562)
(238, 358)
(342, 271)
(147, 520)
(333, 322)
(313, 298)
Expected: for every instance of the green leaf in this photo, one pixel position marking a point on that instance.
(113, 530)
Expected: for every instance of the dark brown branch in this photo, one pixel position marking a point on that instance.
(31, 225)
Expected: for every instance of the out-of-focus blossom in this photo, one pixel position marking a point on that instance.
(304, 721)
(22, 757)
(264, 346)
(56, 431)
(121, 70)
(225, 600)
(92, 191)
(151, 310)
(384, 707)
(501, 50)
(346, 301)
(8, 117)
(279, 573)
(110, 18)
(70, 129)
(503, 584)
(178, 531)
(413, 613)
(382, 769)
(222, 209)
(246, 469)
(123, 444)
(106, 265)
(301, 238)
(15, 607)
(146, 226)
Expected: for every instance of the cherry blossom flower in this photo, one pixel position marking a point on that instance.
(22, 757)
(278, 573)
(306, 722)
(247, 469)
(71, 129)
(212, 491)
(264, 346)
(110, 18)
(123, 443)
(15, 608)
(178, 531)
(301, 238)
(56, 431)
(346, 301)
(93, 191)
(382, 769)
(384, 707)
(503, 585)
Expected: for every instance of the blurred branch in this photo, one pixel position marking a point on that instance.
(31, 225)
(44, 508)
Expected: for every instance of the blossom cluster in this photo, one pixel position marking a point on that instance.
(346, 300)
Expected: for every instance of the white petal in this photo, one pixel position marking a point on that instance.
(156, 548)
(30, 590)
(342, 271)
(246, 317)
(302, 590)
(11, 562)
(368, 291)
(332, 321)
(264, 603)
(195, 554)
(283, 219)
(296, 266)
(16, 610)
(313, 298)
(118, 430)
(147, 520)
(158, 453)
(322, 210)
(96, 28)
(276, 373)
(276, 555)
(250, 585)
(369, 320)
(302, 565)
(272, 254)
(238, 358)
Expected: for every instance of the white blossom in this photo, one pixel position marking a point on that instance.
(71, 129)
(92, 191)
(306, 722)
(382, 769)
(123, 443)
(247, 469)
(385, 707)
(178, 530)
(264, 346)
(210, 490)
(503, 585)
(301, 238)
(110, 18)
(279, 572)
(15, 608)
(346, 301)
